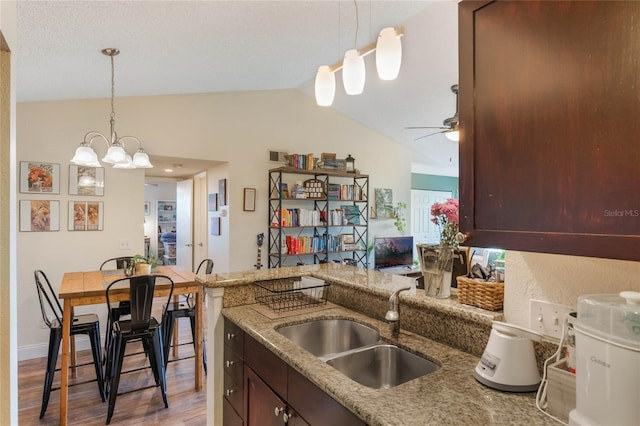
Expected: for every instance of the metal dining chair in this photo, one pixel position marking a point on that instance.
(88, 324)
(142, 326)
(185, 308)
(119, 309)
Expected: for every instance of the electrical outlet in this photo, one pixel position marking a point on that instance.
(547, 318)
(125, 244)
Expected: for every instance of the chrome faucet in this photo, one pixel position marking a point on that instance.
(393, 314)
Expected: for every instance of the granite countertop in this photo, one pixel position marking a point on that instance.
(447, 396)
(450, 395)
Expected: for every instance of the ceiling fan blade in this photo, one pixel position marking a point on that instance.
(424, 127)
(430, 134)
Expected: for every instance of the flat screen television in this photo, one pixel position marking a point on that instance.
(393, 252)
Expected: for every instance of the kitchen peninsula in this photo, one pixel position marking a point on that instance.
(448, 333)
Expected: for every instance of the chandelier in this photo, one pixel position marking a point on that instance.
(116, 155)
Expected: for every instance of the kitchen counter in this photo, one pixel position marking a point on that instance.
(450, 395)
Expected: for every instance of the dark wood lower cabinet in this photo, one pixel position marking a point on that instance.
(262, 406)
(273, 393)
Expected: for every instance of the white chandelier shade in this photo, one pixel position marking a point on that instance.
(388, 54)
(116, 154)
(325, 86)
(353, 72)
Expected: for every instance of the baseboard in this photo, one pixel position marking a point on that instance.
(41, 350)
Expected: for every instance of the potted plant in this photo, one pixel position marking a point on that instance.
(144, 265)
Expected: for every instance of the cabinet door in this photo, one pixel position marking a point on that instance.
(549, 111)
(262, 406)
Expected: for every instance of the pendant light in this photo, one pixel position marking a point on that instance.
(325, 86)
(116, 154)
(388, 54)
(353, 70)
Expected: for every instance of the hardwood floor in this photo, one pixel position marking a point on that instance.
(143, 407)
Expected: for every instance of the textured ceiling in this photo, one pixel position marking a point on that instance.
(172, 47)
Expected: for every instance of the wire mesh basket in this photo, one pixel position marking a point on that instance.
(291, 293)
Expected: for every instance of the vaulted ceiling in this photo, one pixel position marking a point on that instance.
(174, 47)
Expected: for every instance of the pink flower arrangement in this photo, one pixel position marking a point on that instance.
(446, 216)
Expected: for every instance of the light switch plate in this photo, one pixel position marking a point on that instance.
(548, 318)
(125, 244)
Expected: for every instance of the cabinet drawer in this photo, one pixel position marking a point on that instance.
(267, 365)
(229, 415)
(234, 392)
(233, 364)
(315, 406)
(233, 336)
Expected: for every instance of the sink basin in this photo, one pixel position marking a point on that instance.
(327, 337)
(382, 366)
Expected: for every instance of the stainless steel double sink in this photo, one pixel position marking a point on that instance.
(357, 351)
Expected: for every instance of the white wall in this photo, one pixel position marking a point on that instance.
(236, 127)
(561, 279)
(239, 128)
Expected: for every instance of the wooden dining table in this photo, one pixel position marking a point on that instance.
(89, 288)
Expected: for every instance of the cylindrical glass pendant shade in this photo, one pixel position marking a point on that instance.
(388, 54)
(325, 86)
(353, 72)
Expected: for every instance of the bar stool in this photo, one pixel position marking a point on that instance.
(185, 308)
(142, 326)
(88, 324)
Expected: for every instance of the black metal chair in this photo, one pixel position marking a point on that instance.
(88, 324)
(142, 326)
(185, 308)
(120, 309)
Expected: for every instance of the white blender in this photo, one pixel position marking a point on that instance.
(607, 360)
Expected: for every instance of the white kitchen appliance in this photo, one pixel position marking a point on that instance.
(607, 360)
(509, 361)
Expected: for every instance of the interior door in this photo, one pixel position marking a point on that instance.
(200, 208)
(422, 229)
(184, 226)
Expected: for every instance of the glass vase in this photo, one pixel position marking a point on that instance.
(436, 262)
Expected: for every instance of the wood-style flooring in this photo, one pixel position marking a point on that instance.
(143, 407)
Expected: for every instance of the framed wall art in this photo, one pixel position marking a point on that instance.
(39, 215)
(86, 216)
(213, 202)
(86, 180)
(147, 208)
(39, 178)
(215, 225)
(222, 192)
(249, 204)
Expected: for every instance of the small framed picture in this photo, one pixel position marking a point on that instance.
(213, 202)
(222, 192)
(86, 180)
(147, 208)
(39, 178)
(39, 215)
(215, 225)
(86, 216)
(249, 204)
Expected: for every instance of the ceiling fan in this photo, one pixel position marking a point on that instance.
(449, 125)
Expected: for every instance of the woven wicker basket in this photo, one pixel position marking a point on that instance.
(485, 295)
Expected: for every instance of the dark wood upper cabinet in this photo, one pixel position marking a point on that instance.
(549, 96)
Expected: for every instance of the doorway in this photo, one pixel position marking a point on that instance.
(423, 230)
